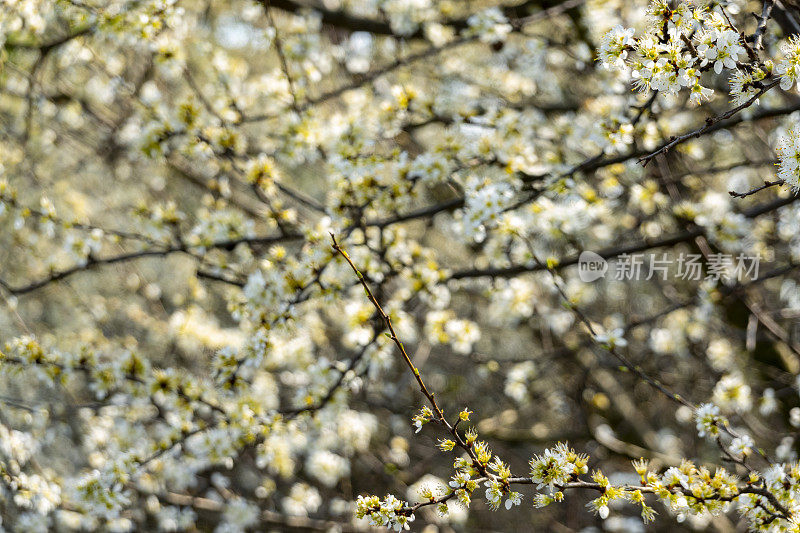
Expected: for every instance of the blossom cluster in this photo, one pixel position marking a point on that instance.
(183, 349)
(680, 44)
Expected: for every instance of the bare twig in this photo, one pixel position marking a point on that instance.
(150, 252)
(710, 122)
(758, 36)
(626, 363)
(615, 251)
(282, 56)
(393, 335)
(767, 185)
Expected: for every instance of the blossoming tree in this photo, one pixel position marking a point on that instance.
(347, 265)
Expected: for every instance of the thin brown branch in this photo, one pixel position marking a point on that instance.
(767, 185)
(758, 36)
(609, 253)
(710, 122)
(393, 335)
(91, 261)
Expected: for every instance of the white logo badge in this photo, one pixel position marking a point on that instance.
(591, 266)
